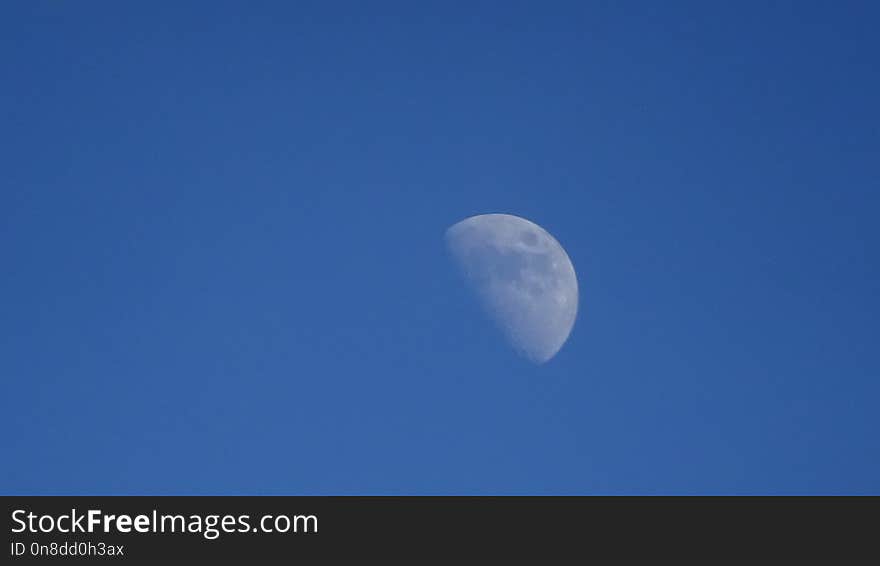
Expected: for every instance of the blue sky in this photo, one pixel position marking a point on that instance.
(221, 231)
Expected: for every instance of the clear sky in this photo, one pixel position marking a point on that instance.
(223, 268)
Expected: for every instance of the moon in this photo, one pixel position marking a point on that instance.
(523, 278)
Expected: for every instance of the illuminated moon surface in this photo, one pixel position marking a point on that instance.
(523, 278)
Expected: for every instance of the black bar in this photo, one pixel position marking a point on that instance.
(426, 527)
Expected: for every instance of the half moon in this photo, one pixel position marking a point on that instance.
(523, 278)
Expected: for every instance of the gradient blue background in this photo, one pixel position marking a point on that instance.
(223, 268)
